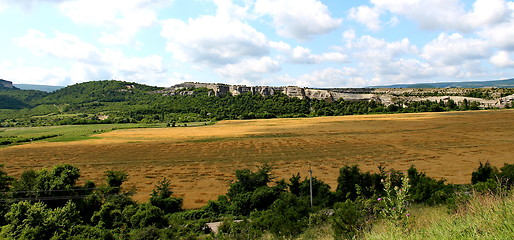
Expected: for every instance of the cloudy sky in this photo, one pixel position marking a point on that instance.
(309, 43)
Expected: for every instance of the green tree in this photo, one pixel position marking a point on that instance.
(352, 182)
(27, 220)
(115, 179)
(47, 185)
(161, 197)
(287, 216)
(483, 173)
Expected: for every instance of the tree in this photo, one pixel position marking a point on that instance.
(45, 185)
(483, 173)
(27, 220)
(287, 216)
(248, 181)
(115, 179)
(322, 196)
(5, 180)
(352, 182)
(161, 197)
(427, 190)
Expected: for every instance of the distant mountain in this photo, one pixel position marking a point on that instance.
(44, 88)
(508, 83)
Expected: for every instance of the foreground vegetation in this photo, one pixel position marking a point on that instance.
(49, 204)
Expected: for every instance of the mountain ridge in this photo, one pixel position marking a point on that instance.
(505, 83)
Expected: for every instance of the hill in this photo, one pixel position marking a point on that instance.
(112, 101)
(98, 91)
(508, 83)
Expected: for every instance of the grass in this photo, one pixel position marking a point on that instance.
(68, 133)
(483, 217)
(63, 133)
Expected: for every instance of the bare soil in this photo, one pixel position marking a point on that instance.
(201, 161)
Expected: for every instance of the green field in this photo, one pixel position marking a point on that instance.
(18, 135)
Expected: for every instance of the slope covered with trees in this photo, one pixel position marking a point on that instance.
(123, 102)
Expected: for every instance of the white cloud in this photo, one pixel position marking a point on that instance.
(501, 35)
(304, 56)
(27, 5)
(448, 14)
(502, 59)
(372, 50)
(122, 18)
(328, 77)
(227, 10)
(62, 46)
(177, 77)
(213, 41)
(89, 62)
(249, 69)
(18, 72)
(298, 19)
(454, 49)
(370, 17)
(280, 46)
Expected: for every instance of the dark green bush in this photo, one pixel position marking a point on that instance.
(287, 216)
(427, 190)
(352, 182)
(483, 173)
(161, 197)
(347, 220)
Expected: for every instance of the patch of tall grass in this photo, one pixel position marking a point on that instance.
(484, 216)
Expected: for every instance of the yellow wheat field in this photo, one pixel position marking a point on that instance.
(201, 161)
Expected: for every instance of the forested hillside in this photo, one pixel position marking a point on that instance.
(123, 102)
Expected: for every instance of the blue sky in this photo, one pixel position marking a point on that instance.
(308, 43)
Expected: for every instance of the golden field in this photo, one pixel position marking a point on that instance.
(201, 161)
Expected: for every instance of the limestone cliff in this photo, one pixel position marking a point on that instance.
(386, 96)
(6, 84)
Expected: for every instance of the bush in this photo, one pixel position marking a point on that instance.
(347, 220)
(36, 221)
(352, 182)
(86, 232)
(287, 216)
(321, 194)
(483, 173)
(144, 215)
(161, 197)
(238, 230)
(427, 190)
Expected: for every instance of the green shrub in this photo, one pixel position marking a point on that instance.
(427, 190)
(347, 220)
(87, 232)
(161, 197)
(483, 173)
(352, 182)
(288, 216)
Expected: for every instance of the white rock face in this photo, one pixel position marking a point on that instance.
(386, 96)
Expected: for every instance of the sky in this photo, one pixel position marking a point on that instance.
(306, 43)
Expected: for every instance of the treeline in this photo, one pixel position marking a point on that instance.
(122, 102)
(49, 204)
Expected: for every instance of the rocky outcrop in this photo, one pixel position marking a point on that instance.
(386, 96)
(6, 84)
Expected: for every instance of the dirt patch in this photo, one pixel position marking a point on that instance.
(201, 161)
